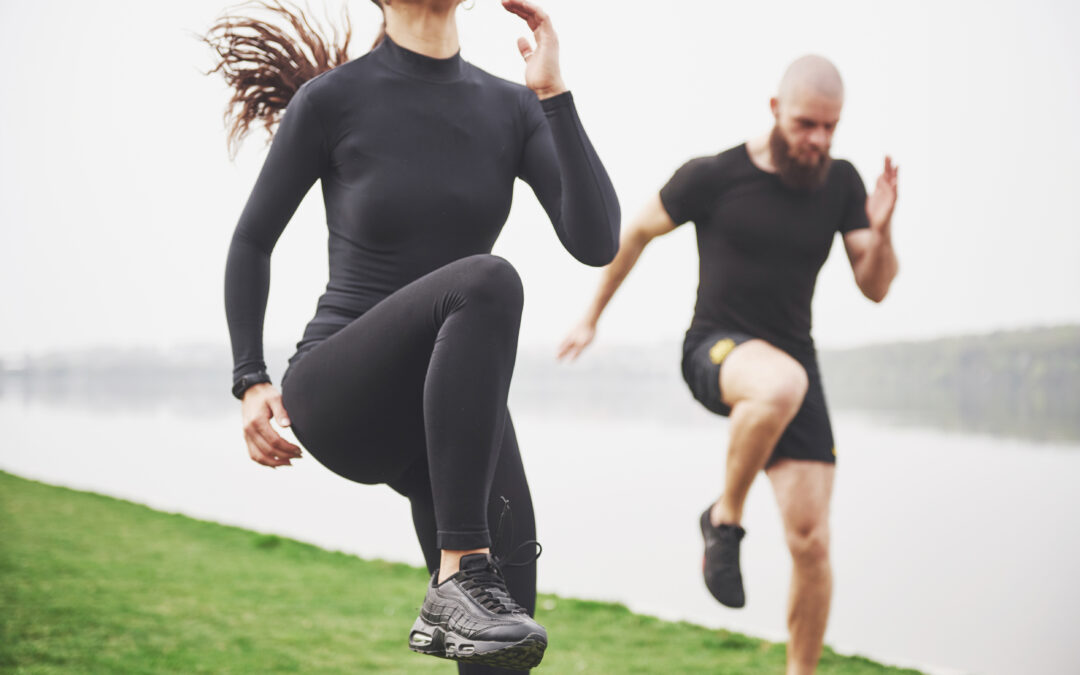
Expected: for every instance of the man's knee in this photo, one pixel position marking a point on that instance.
(781, 393)
(786, 392)
(809, 544)
(760, 373)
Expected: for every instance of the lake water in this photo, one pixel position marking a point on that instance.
(955, 553)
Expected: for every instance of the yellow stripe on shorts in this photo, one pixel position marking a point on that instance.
(719, 351)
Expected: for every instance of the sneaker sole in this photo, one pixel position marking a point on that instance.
(437, 641)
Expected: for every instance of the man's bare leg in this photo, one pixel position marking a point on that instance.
(803, 490)
(764, 387)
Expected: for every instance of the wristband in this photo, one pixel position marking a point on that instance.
(247, 382)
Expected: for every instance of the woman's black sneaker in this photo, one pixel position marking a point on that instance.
(471, 617)
(721, 564)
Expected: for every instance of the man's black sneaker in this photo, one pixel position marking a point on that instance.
(471, 617)
(721, 564)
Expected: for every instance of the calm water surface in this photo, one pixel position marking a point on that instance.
(956, 552)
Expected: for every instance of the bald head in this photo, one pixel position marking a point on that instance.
(807, 110)
(814, 75)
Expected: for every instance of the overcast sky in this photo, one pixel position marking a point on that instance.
(118, 197)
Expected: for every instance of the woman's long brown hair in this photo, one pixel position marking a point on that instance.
(266, 61)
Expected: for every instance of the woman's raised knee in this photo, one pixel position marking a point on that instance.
(491, 279)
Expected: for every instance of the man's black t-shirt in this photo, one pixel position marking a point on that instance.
(760, 243)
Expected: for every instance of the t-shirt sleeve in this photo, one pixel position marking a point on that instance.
(686, 195)
(855, 211)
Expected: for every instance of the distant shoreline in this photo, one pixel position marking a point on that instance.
(1019, 383)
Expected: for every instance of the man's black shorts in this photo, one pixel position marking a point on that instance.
(809, 436)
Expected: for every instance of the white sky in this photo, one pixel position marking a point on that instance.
(118, 199)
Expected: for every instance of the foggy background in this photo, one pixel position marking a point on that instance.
(119, 198)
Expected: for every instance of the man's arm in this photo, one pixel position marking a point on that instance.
(870, 250)
(652, 222)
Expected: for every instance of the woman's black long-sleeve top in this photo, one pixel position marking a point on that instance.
(417, 158)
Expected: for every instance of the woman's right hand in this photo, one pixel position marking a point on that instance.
(260, 404)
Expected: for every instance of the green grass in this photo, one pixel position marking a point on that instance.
(90, 584)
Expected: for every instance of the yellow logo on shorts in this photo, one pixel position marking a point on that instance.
(719, 351)
(834, 451)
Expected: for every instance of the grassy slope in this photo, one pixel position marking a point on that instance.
(89, 584)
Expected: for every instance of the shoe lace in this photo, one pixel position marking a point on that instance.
(487, 585)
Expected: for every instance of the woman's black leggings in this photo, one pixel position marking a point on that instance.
(413, 394)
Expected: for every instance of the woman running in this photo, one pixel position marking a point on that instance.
(402, 375)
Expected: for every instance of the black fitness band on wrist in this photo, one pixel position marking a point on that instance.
(248, 381)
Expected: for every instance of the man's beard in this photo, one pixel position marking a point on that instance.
(793, 173)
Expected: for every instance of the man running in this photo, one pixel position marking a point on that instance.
(766, 212)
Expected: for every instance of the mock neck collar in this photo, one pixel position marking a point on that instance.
(417, 65)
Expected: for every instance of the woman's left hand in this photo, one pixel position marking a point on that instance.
(541, 64)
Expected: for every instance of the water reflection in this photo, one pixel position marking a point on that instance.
(924, 575)
(910, 503)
